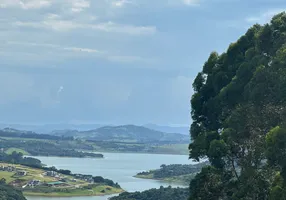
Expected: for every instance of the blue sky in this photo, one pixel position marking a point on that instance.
(113, 61)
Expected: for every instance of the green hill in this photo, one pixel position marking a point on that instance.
(177, 173)
(126, 133)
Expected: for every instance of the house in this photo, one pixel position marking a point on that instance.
(51, 173)
(90, 180)
(21, 173)
(7, 168)
(87, 178)
(33, 183)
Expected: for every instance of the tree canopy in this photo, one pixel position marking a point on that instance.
(155, 194)
(9, 193)
(238, 112)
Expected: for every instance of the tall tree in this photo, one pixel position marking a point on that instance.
(240, 96)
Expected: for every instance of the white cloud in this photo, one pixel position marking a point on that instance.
(85, 50)
(122, 28)
(120, 3)
(25, 4)
(183, 2)
(67, 25)
(264, 17)
(53, 16)
(56, 25)
(32, 44)
(78, 6)
(55, 46)
(101, 54)
(191, 2)
(61, 88)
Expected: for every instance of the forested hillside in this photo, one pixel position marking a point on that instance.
(239, 112)
(156, 194)
(9, 193)
(177, 173)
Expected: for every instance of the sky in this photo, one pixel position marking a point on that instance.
(113, 61)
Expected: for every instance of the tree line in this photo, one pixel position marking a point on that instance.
(9, 193)
(50, 148)
(156, 194)
(30, 134)
(168, 171)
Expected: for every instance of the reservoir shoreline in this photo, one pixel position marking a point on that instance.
(119, 167)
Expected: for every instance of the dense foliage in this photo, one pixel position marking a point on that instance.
(238, 112)
(9, 193)
(156, 194)
(60, 148)
(17, 158)
(13, 133)
(168, 171)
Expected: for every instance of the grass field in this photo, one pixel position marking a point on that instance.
(31, 174)
(11, 150)
(72, 188)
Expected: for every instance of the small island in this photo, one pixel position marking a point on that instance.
(177, 173)
(33, 179)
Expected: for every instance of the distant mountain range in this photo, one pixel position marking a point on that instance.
(126, 133)
(47, 128)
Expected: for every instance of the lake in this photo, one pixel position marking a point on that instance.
(119, 167)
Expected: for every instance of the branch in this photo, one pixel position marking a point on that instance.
(233, 167)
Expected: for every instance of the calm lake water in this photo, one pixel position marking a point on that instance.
(118, 167)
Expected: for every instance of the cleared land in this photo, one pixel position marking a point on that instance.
(70, 187)
(11, 150)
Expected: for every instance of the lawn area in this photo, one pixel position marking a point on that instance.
(69, 189)
(7, 176)
(11, 150)
(31, 174)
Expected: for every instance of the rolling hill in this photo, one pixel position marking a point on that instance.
(125, 133)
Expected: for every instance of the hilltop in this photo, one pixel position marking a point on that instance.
(126, 133)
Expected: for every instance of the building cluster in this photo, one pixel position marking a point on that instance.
(18, 172)
(87, 178)
(59, 180)
(52, 174)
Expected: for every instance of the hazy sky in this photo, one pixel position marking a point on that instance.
(112, 61)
